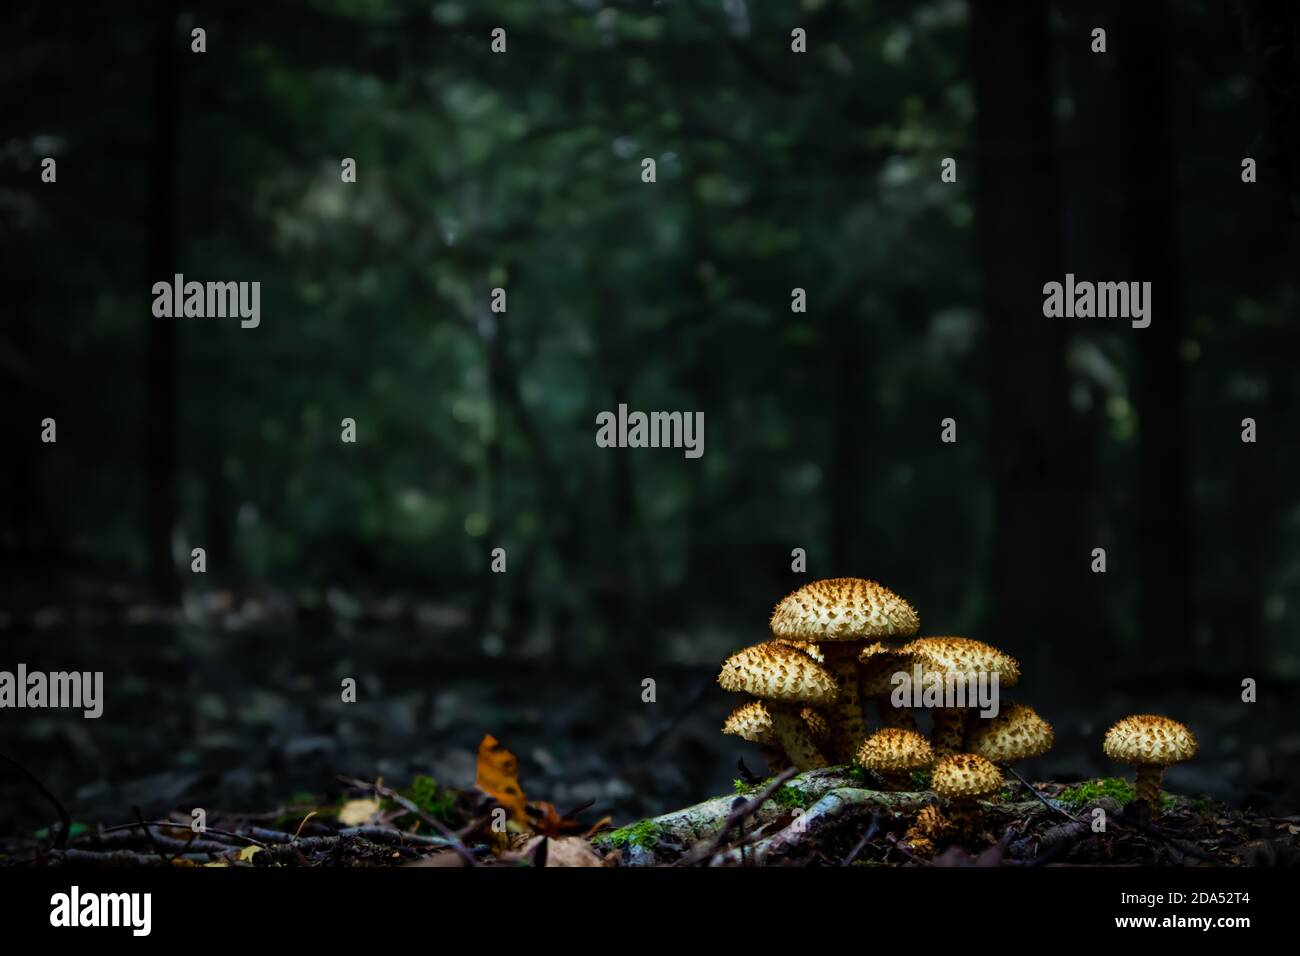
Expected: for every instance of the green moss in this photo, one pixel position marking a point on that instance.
(644, 833)
(1117, 788)
(860, 774)
(921, 779)
(790, 797)
(425, 793)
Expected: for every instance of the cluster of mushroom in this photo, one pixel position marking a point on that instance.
(836, 649)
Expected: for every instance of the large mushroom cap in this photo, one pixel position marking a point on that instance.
(965, 776)
(1017, 733)
(962, 655)
(777, 672)
(1148, 739)
(843, 609)
(750, 722)
(894, 749)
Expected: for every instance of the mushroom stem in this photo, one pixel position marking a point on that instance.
(1149, 776)
(949, 727)
(890, 716)
(795, 738)
(774, 756)
(847, 720)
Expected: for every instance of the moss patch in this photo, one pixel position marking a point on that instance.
(425, 793)
(644, 833)
(921, 779)
(1117, 788)
(790, 797)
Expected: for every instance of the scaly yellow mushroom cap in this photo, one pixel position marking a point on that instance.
(1148, 739)
(1017, 733)
(962, 655)
(777, 672)
(843, 609)
(894, 750)
(965, 777)
(750, 722)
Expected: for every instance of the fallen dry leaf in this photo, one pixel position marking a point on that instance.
(565, 851)
(498, 776)
(356, 812)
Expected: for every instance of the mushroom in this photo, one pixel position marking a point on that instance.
(1017, 733)
(962, 779)
(877, 665)
(783, 677)
(958, 659)
(929, 827)
(837, 614)
(753, 722)
(1152, 743)
(894, 753)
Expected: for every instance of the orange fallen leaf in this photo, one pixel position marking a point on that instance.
(498, 776)
(546, 820)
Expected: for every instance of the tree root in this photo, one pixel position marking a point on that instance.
(831, 795)
(822, 815)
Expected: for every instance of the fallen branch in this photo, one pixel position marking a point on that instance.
(826, 812)
(703, 821)
(705, 849)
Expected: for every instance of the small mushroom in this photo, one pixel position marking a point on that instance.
(783, 678)
(962, 779)
(894, 754)
(953, 659)
(752, 722)
(927, 830)
(877, 665)
(1017, 733)
(838, 614)
(1152, 743)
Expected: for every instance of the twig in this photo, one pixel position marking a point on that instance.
(710, 846)
(866, 838)
(414, 808)
(185, 826)
(65, 821)
(1045, 802)
(119, 857)
(149, 835)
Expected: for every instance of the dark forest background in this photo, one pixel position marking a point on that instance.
(476, 430)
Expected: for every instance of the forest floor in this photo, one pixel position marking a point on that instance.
(235, 708)
(829, 817)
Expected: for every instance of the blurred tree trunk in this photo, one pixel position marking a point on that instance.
(1164, 560)
(1038, 561)
(160, 356)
